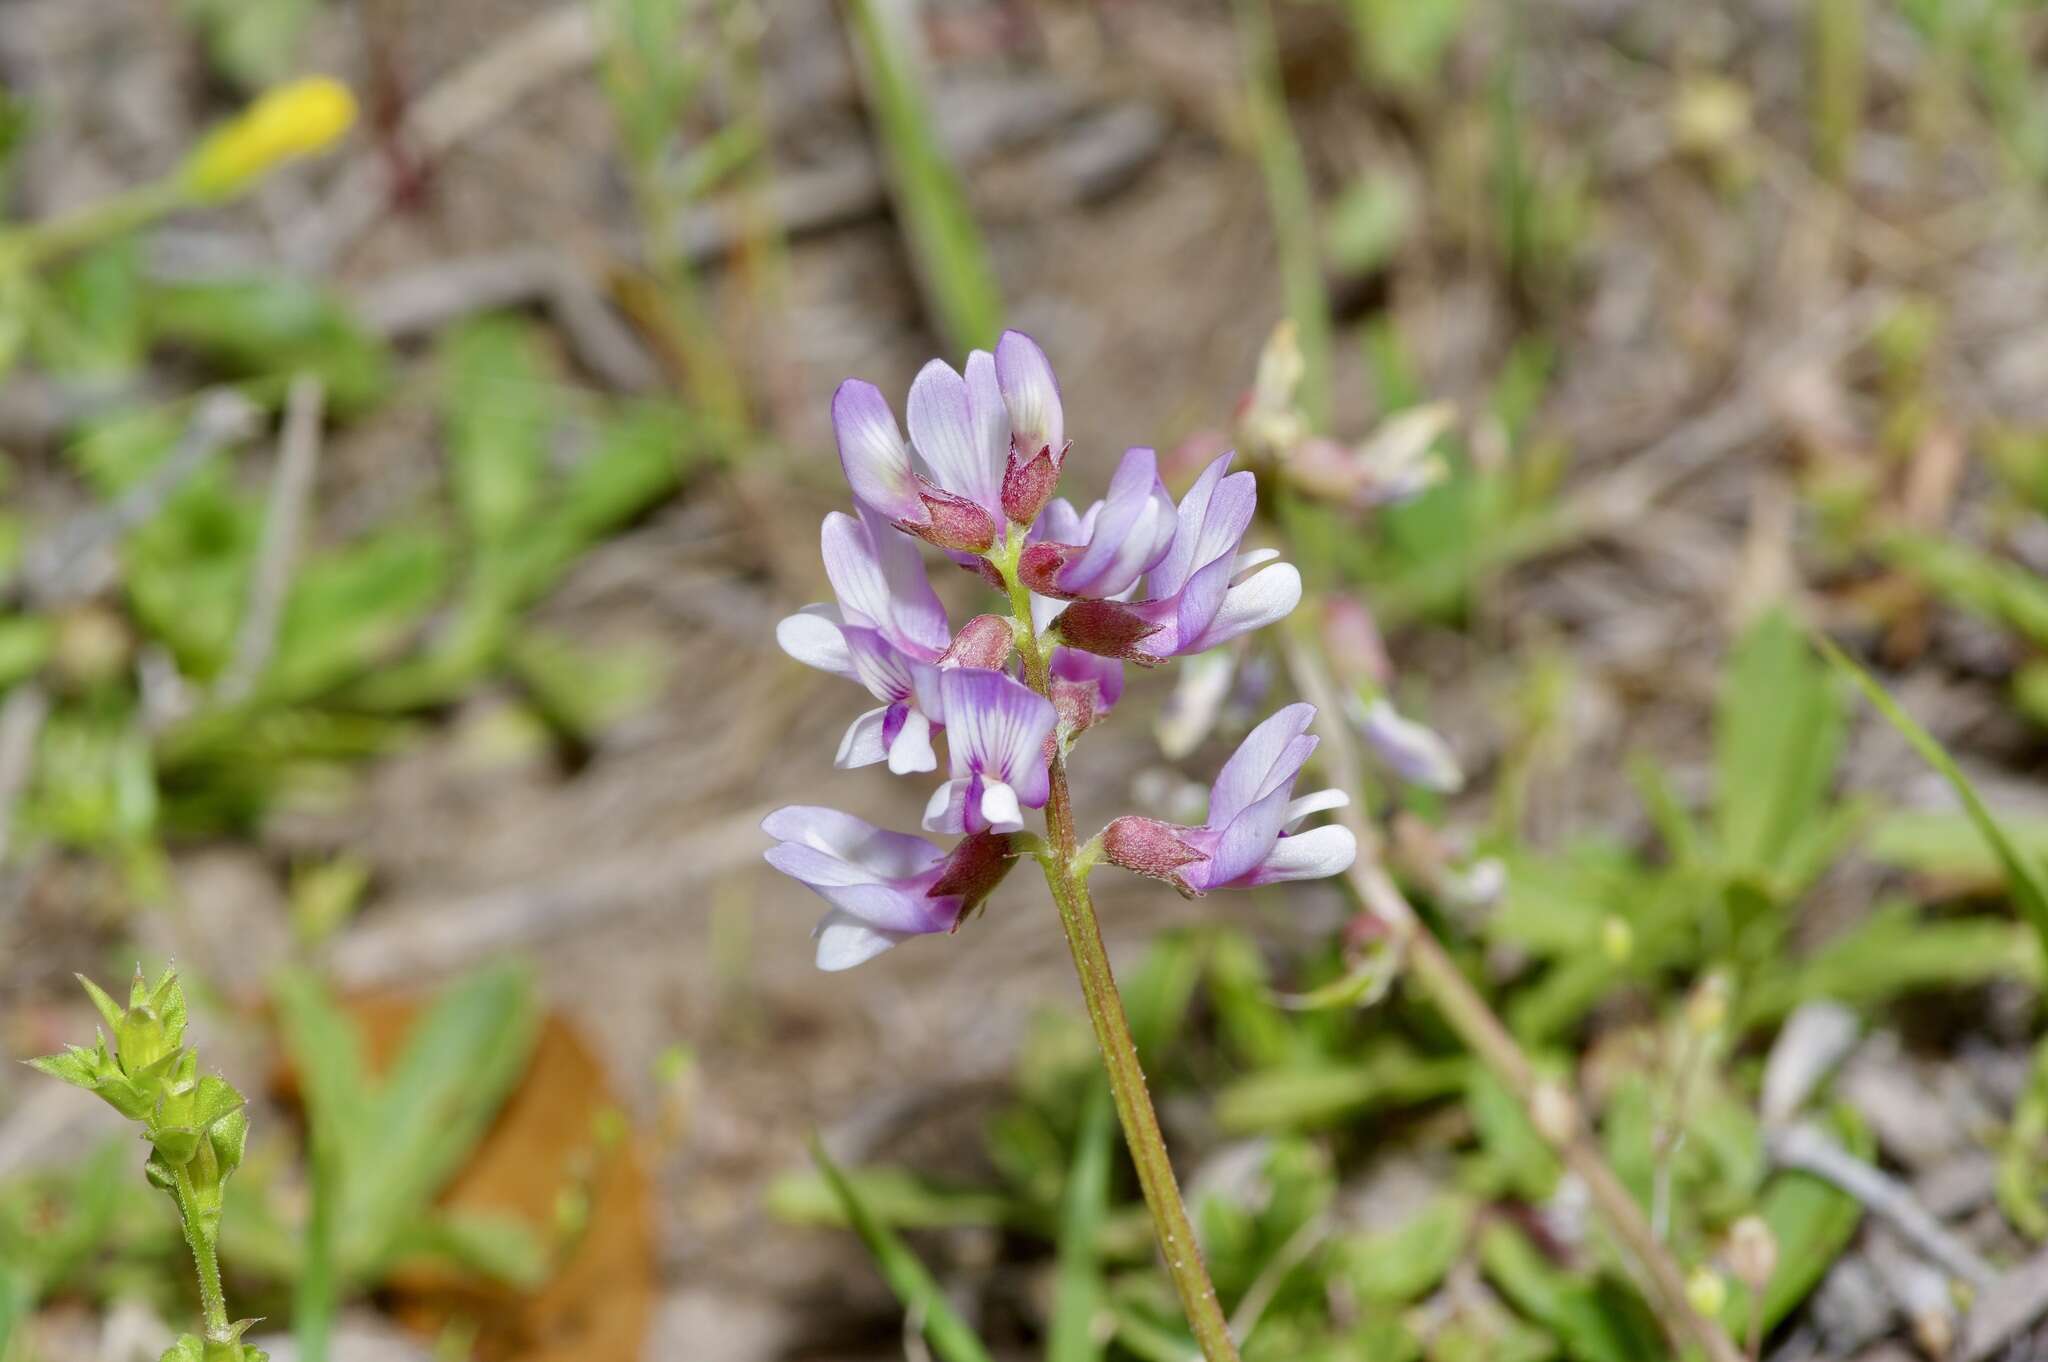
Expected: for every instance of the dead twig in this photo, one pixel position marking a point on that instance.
(298, 459)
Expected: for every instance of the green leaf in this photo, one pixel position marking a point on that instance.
(501, 1247)
(92, 323)
(948, 1334)
(1079, 1295)
(167, 1000)
(1893, 951)
(2026, 877)
(2003, 592)
(1597, 1319)
(1949, 845)
(1778, 731)
(103, 1003)
(214, 1101)
(499, 412)
(1812, 1222)
(1508, 1137)
(1405, 1263)
(459, 1063)
(275, 328)
(582, 691)
(26, 642)
(76, 1066)
(350, 610)
(895, 1196)
(944, 244)
(1305, 1098)
(396, 1143)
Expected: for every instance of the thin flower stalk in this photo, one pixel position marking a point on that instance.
(1132, 578)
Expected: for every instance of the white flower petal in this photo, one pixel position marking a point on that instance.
(946, 810)
(862, 745)
(999, 806)
(912, 750)
(1314, 803)
(845, 941)
(812, 637)
(1308, 856)
(1268, 595)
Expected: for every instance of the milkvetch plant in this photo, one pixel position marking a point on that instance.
(1133, 578)
(195, 1125)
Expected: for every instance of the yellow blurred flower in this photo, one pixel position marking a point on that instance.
(299, 119)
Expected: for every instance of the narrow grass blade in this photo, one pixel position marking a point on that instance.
(1079, 1294)
(946, 248)
(2028, 879)
(1291, 201)
(948, 1334)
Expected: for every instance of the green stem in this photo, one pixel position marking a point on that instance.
(1176, 1233)
(44, 242)
(199, 1236)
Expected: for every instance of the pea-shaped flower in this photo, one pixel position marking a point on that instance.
(1249, 837)
(884, 887)
(996, 732)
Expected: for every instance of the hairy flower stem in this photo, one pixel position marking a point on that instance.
(1061, 861)
(199, 1237)
(1431, 967)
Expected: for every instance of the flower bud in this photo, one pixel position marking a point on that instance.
(1706, 1293)
(1029, 482)
(298, 119)
(953, 522)
(1150, 847)
(1038, 567)
(1107, 629)
(984, 641)
(1752, 1252)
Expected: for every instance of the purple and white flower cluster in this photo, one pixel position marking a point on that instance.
(1134, 577)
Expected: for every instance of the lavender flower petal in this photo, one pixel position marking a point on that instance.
(873, 454)
(881, 584)
(1268, 756)
(1265, 596)
(1031, 393)
(947, 436)
(1126, 534)
(1415, 752)
(996, 731)
(878, 883)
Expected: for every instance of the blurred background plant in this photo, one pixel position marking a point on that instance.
(393, 517)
